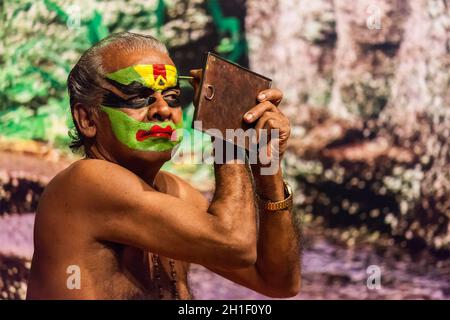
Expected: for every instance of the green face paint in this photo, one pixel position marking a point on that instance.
(144, 136)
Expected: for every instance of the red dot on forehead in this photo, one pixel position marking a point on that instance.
(159, 70)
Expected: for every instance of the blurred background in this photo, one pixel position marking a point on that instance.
(367, 89)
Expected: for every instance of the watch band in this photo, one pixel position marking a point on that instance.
(279, 205)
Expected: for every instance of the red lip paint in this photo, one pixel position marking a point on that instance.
(154, 132)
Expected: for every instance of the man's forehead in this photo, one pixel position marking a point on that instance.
(114, 59)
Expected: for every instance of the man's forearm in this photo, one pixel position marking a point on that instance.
(233, 201)
(278, 261)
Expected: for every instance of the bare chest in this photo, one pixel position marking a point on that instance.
(137, 274)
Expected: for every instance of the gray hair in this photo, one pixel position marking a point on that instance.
(85, 79)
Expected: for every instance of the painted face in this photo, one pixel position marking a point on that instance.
(144, 136)
(141, 82)
(157, 77)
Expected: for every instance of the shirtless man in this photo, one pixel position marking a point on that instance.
(129, 229)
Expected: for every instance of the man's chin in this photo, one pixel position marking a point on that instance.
(155, 156)
(129, 156)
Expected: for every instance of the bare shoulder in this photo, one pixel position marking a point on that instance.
(101, 174)
(92, 182)
(172, 184)
(93, 170)
(87, 184)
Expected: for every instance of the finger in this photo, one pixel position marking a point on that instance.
(274, 140)
(264, 123)
(257, 111)
(281, 120)
(269, 141)
(197, 75)
(272, 120)
(274, 95)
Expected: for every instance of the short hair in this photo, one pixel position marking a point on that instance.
(85, 78)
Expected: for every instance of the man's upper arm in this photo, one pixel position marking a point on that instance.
(121, 207)
(182, 189)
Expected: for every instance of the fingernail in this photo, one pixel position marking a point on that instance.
(248, 117)
(262, 96)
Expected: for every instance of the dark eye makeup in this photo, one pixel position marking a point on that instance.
(110, 99)
(132, 89)
(142, 96)
(173, 100)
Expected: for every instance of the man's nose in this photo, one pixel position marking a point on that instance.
(160, 110)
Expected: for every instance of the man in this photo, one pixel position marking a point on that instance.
(114, 226)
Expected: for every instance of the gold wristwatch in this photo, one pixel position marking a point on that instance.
(278, 205)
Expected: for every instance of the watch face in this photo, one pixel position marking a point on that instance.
(288, 188)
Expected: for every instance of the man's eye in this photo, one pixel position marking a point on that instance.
(173, 100)
(141, 102)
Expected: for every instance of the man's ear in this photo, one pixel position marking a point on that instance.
(84, 117)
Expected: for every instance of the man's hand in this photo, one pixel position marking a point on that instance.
(267, 116)
(195, 83)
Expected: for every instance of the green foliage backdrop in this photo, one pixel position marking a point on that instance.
(43, 39)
